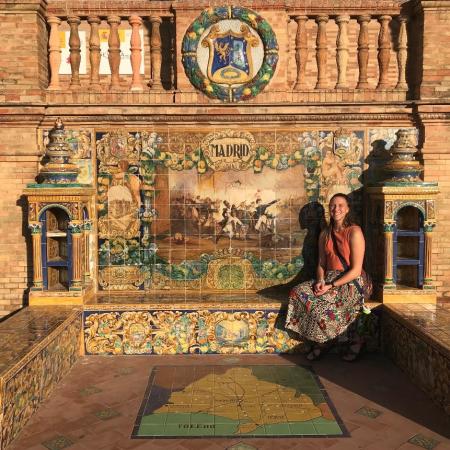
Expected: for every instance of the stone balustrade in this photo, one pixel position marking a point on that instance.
(362, 47)
(117, 34)
(359, 66)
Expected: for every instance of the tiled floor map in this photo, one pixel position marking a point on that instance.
(229, 401)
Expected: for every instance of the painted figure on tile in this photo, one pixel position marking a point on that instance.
(327, 309)
(264, 220)
(124, 201)
(333, 170)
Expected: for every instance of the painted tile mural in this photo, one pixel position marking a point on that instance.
(169, 332)
(214, 209)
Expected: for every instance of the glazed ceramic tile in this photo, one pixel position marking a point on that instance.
(236, 402)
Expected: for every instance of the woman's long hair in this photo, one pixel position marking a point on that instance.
(348, 219)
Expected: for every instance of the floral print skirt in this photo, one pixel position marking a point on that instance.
(320, 319)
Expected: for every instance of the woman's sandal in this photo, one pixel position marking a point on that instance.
(317, 352)
(352, 355)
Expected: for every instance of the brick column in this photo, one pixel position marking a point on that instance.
(75, 51)
(427, 276)
(388, 255)
(114, 50)
(136, 57)
(36, 235)
(321, 51)
(301, 51)
(402, 53)
(363, 51)
(54, 52)
(342, 51)
(155, 52)
(94, 51)
(384, 51)
(75, 228)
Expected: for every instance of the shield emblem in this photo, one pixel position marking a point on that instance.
(230, 57)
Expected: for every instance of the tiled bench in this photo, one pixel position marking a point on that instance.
(38, 346)
(417, 338)
(204, 324)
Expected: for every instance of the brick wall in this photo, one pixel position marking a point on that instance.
(436, 158)
(24, 77)
(23, 64)
(436, 51)
(18, 165)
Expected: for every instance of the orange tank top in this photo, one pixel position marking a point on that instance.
(343, 245)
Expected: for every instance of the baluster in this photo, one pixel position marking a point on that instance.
(155, 52)
(342, 50)
(135, 22)
(94, 50)
(402, 51)
(172, 53)
(384, 50)
(114, 50)
(54, 52)
(75, 51)
(363, 51)
(301, 51)
(321, 51)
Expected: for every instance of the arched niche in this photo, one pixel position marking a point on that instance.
(409, 247)
(56, 246)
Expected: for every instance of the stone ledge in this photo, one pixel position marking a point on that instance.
(418, 348)
(40, 345)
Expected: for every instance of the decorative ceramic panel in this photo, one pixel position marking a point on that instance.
(426, 364)
(30, 382)
(229, 53)
(169, 332)
(216, 209)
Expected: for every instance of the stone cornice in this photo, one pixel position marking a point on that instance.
(434, 5)
(230, 118)
(23, 6)
(62, 8)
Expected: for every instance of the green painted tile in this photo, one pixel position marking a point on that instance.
(368, 412)
(424, 441)
(278, 429)
(151, 430)
(89, 390)
(154, 419)
(202, 430)
(225, 429)
(58, 443)
(302, 428)
(202, 418)
(124, 371)
(178, 418)
(328, 428)
(171, 429)
(106, 414)
(259, 431)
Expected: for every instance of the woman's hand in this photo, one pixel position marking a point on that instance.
(318, 287)
(322, 289)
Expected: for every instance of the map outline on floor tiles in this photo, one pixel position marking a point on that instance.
(236, 401)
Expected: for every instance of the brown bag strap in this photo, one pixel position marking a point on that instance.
(344, 263)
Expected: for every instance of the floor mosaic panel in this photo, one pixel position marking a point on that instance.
(243, 401)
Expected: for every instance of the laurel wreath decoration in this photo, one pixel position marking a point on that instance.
(190, 44)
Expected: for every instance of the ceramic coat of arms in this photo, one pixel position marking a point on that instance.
(230, 53)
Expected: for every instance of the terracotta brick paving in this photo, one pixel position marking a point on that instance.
(95, 407)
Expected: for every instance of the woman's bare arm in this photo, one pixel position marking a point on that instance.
(322, 263)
